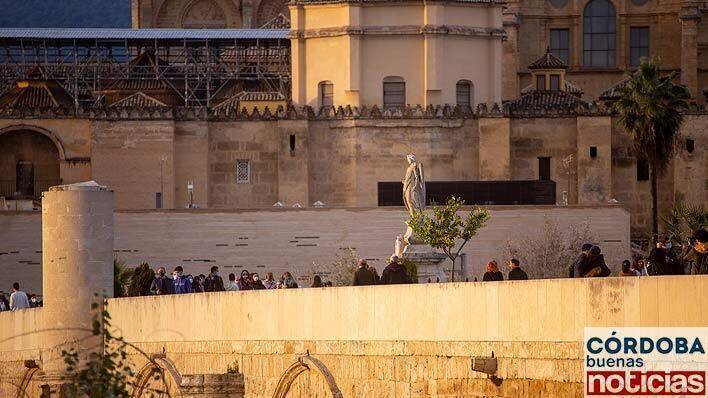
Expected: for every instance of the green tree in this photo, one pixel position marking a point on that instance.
(121, 278)
(650, 109)
(446, 230)
(341, 271)
(682, 219)
(141, 280)
(107, 372)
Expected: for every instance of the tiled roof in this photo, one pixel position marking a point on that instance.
(547, 100)
(279, 22)
(137, 85)
(232, 102)
(569, 87)
(611, 92)
(141, 34)
(36, 94)
(548, 61)
(139, 100)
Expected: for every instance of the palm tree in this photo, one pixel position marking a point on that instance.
(650, 110)
(121, 278)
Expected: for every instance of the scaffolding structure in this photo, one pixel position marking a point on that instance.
(198, 65)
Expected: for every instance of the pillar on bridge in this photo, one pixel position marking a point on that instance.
(77, 264)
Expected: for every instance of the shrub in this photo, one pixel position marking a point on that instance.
(141, 280)
(341, 271)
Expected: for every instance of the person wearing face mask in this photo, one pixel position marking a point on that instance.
(256, 282)
(245, 282)
(213, 282)
(182, 283)
(162, 284)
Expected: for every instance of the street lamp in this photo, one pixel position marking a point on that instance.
(163, 159)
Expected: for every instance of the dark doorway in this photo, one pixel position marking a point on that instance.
(24, 179)
(544, 168)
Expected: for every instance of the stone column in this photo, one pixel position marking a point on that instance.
(690, 18)
(77, 263)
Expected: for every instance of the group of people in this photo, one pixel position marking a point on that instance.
(19, 300)
(394, 273)
(515, 272)
(179, 283)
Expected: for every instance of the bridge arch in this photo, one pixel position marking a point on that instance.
(301, 365)
(157, 376)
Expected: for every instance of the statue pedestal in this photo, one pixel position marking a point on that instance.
(428, 261)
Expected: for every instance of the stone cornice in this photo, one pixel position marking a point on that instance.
(454, 30)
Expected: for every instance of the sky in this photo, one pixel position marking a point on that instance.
(65, 14)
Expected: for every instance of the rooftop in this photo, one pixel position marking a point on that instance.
(141, 34)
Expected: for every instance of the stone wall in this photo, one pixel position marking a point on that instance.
(406, 341)
(397, 341)
(338, 158)
(292, 240)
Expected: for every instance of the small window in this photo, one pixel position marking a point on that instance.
(541, 82)
(690, 145)
(326, 93)
(593, 152)
(555, 82)
(243, 171)
(638, 45)
(394, 92)
(642, 170)
(464, 93)
(544, 168)
(559, 44)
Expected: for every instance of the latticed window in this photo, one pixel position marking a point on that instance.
(394, 92)
(243, 171)
(638, 44)
(555, 82)
(599, 34)
(464, 93)
(326, 93)
(559, 44)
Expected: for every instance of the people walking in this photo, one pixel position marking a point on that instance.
(577, 269)
(696, 253)
(363, 276)
(18, 298)
(516, 273)
(182, 283)
(213, 282)
(161, 284)
(317, 281)
(595, 265)
(493, 273)
(4, 304)
(244, 282)
(394, 273)
(256, 282)
(269, 282)
(231, 285)
(627, 269)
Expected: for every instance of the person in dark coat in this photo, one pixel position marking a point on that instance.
(516, 273)
(395, 273)
(256, 282)
(162, 284)
(317, 281)
(595, 265)
(576, 269)
(245, 282)
(493, 273)
(363, 275)
(213, 282)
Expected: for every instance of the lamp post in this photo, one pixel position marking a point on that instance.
(163, 159)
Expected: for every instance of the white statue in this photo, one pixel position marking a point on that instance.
(398, 251)
(414, 186)
(413, 194)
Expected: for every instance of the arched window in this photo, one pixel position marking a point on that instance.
(394, 92)
(326, 93)
(465, 93)
(599, 34)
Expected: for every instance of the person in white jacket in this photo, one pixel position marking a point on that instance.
(18, 298)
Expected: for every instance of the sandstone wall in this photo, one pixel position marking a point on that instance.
(406, 341)
(292, 240)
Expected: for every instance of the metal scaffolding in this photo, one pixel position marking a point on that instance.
(199, 65)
